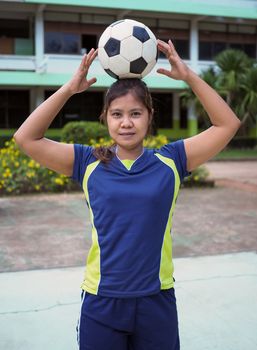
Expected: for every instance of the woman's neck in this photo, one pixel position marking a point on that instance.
(132, 154)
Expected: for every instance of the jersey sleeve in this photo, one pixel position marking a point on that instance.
(82, 157)
(176, 151)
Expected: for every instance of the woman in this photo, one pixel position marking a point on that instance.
(128, 299)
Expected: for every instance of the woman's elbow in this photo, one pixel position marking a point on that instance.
(236, 124)
(18, 138)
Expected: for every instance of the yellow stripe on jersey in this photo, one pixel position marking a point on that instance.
(166, 265)
(92, 273)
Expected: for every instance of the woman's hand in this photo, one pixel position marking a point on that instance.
(179, 70)
(79, 81)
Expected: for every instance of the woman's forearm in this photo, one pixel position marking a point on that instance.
(35, 126)
(219, 112)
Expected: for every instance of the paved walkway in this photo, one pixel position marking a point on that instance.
(216, 299)
(215, 244)
(235, 174)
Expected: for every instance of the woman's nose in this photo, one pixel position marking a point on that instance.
(126, 122)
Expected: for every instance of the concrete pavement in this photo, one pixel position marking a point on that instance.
(234, 174)
(216, 299)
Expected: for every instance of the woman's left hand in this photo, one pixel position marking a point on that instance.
(179, 70)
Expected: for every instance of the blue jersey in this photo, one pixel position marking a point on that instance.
(131, 215)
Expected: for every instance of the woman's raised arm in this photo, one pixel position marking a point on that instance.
(30, 138)
(207, 144)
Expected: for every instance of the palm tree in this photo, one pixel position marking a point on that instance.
(235, 79)
(248, 108)
(189, 98)
(232, 64)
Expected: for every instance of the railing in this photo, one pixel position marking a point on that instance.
(68, 63)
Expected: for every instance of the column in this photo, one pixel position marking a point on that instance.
(39, 37)
(37, 96)
(192, 127)
(194, 45)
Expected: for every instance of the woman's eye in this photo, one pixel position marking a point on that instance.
(136, 114)
(116, 115)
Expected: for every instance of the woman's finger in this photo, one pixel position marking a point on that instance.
(91, 81)
(83, 62)
(172, 48)
(92, 56)
(164, 72)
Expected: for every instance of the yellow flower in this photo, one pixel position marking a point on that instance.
(196, 177)
(16, 164)
(7, 173)
(59, 181)
(30, 174)
(31, 163)
(37, 187)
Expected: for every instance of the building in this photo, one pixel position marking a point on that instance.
(41, 43)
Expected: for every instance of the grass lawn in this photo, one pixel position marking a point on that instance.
(237, 154)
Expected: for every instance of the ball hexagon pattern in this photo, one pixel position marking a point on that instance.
(127, 49)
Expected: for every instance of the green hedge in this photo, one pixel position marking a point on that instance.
(83, 132)
(7, 134)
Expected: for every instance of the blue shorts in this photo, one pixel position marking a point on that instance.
(143, 323)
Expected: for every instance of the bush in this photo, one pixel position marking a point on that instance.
(83, 132)
(21, 174)
(242, 142)
(199, 178)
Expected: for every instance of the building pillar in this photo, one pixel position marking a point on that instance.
(39, 37)
(192, 122)
(194, 45)
(176, 111)
(192, 128)
(37, 96)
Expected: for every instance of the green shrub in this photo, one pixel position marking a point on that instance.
(198, 178)
(21, 174)
(83, 132)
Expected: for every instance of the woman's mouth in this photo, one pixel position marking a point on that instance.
(127, 134)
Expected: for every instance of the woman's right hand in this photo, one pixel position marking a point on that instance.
(79, 81)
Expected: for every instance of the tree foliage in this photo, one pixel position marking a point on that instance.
(234, 77)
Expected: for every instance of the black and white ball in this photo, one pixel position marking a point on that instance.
(127, 49)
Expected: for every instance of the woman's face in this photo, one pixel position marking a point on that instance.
(128, 121)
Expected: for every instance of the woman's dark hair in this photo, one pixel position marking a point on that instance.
(120, 88)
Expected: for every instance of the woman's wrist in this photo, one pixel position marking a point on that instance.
(191, 77)
(67, 90)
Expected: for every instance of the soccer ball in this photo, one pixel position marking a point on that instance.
(127, 49)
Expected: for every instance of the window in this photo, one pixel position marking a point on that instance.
(58, 42)
(181, 45)
(14, 28)
(162, 104)
(84, 106)
(89, 42)
(14, 107)
(183, 123)
(214, 38)
(15, 37)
